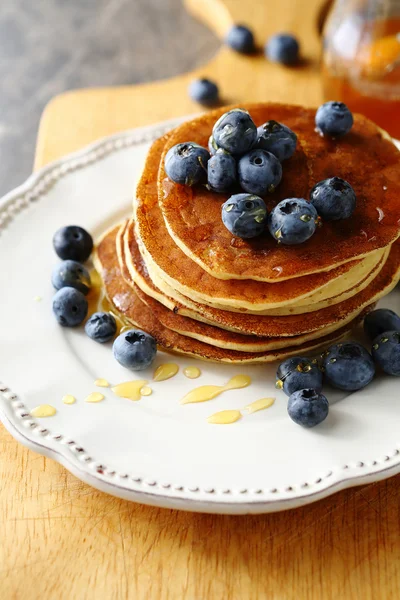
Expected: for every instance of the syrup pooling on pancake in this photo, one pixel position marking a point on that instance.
(369, 162)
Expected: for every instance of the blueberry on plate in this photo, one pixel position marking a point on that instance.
(307, 407)
(212, 146)
(135, 349)
(221, 171)
(292, 221)
(235, 131)
(333, 198)
(380, 320)
(241, 39)
(73, 242)
(298, 373)
(282, 48)
(333, 119)
(259, 172)
(101, 327)
(277, 139)
(187, 163)
(386, 352)
(204, 91)
(70, 307)
(70, 273)
(244, 215)
(348, 366)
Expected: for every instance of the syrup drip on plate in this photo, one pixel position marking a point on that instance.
(95, 397)
(192, 372)
(165, 371)
(225, 417)
(146, 391)
(208, 392)
(260, 404)
(43, 410)
(101, 383)
(69, 399)
(130, 389)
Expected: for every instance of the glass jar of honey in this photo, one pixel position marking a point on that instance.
(361, 59)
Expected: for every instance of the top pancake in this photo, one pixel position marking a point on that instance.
(364, 157)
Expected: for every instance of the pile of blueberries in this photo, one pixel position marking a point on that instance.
(280, 48)
(242, 156)
(346, 366)
(134, 349)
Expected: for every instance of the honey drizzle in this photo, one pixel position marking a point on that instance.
(43, 410)
(95, 397)
(101, 383)
(165, 371)
(192, 372)
(225, 417)
(260, 404)
(130, 389)
(69, 399)
(146, 391)
(208, 392)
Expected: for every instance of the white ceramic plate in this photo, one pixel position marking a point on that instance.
(156, 451)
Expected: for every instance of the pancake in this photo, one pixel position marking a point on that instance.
(264, 326)
(187, 277)
(127, 303)
(363, 157)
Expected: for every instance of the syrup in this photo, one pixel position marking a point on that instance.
(69, 399)
(146, 391)
(225, 417)
(43, 410)
(192, 372)
(208, 392)
(95, 397)
(130, 389)
(260, 404)
(165, 371)
(101, 383)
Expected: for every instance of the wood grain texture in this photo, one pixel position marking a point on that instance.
(62, 539)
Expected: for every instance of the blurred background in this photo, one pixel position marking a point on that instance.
(49, 46)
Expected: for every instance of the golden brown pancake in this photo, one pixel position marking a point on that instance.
(190, 279)
(265, 326)
(127, 303)
(363, 157)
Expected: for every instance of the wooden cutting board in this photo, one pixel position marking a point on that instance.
(62, 539)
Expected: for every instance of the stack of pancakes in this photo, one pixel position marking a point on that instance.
(175, 271)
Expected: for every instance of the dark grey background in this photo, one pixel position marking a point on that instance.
(49, 46)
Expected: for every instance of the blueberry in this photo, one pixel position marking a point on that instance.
(298, 373)
(348, 366)
(307, 407)
(334, 199)
(235, 131)
(334, 119)
(187, 163)
(212, 146)
(69, 307)
(204, 91)
(292, 221)
(221, 171)
(70, 273)
(259, 172)
(381, 320)
(73, 243)
(244, 215)
(241, 39)
(386, 352)
(135, 349)
(101, 327)
(282, 48)
(277, 139)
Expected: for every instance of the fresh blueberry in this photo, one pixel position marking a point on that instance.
(298, 373)
(277, 139)
(380, 320)
(386, 352)
(235, 131)
(292, 221)
(221, 171)
(334, 199)
(241, 39)
(259, 172)
(70, 273)
(334, 119)
(212, 146)
(135, 349)
(307, 407)
(244, 215)
(282, 48)
(73, 243)
(69, 307)
(204, 91)
(101, 327)
(348, 366)
(187, 163)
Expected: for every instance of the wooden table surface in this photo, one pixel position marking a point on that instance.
(62, 539)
